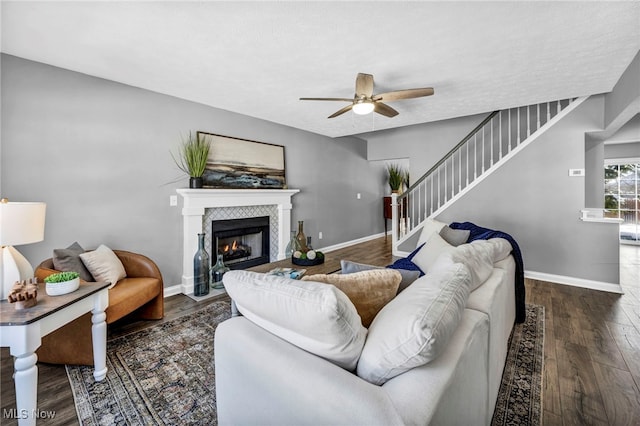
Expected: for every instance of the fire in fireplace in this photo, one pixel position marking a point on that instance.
(241, 242)
(235, 250)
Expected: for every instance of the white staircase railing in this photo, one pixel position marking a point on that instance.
(500, 136)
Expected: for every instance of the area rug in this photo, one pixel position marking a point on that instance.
(519, 399)
(164, 375)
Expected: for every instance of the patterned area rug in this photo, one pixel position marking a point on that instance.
(519, 400)
(164, 375)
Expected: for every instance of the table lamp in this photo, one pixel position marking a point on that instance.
(20, 223)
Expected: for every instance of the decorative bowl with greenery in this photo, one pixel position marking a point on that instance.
(61, 277)
(62, 283)
(308, 258)
(396, 176)
(192, 158)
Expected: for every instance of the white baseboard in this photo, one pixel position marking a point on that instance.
(573, 281)
(177, 289)
(350, 243)
(173, 290)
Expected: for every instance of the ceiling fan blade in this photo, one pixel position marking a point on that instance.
(404, 94)
(327, 99)
(341, 111)
(364, 85)
(385, 110)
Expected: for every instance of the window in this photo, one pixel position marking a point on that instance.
(622, 197)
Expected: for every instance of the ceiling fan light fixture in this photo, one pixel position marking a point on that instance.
(365, 101)
(363, 107)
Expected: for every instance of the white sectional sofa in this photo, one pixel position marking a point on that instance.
(280, 363)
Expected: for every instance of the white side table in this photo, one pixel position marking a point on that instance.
(22, 332)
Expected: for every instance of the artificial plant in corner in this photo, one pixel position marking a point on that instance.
(396, 177)
(192, 159)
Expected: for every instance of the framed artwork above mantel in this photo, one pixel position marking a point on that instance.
(243, 164)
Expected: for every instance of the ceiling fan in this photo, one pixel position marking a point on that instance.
(364, 101)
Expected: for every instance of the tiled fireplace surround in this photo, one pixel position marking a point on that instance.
(201, 206)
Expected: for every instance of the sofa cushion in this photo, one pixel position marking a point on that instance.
(68, 259)
(415, 327)
(368, 290)
(104, 265)
(433, 247)
(316, 317)
(408, 276)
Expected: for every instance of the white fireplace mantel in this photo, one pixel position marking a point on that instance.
(195, 201)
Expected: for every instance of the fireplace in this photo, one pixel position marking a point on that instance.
(241, 242)
(223, 204)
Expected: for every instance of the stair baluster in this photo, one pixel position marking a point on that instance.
(430, 194)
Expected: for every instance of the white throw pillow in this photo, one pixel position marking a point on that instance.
(429, 228)
(478, 257)
(104, 265)
(433, 247)
(501, 248)
(415, 327)
(316, 317)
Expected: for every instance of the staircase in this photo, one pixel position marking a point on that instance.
(492, 143)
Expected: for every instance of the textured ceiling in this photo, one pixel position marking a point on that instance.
(258, 58)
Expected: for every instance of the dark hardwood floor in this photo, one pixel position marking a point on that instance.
(592, 348)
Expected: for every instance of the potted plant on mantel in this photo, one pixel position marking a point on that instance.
(192, 159)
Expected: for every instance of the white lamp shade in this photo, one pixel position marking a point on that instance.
(21, 223)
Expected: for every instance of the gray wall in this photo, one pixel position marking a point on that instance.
(594, 172)
(620, 136)
(622, 150)
(97, 152)
(423, 144)
(629, 132)
(623, 102)
(532, 198)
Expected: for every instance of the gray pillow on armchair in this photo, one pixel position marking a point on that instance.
(68, 259)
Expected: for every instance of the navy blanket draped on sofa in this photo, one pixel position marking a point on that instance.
(480, 233)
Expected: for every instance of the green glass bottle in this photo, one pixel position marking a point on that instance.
(217, 272)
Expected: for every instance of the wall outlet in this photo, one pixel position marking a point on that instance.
(320, 235)
(173, 200)
(576, 172)
(358, 196)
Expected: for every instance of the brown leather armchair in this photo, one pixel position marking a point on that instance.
(142, 292)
